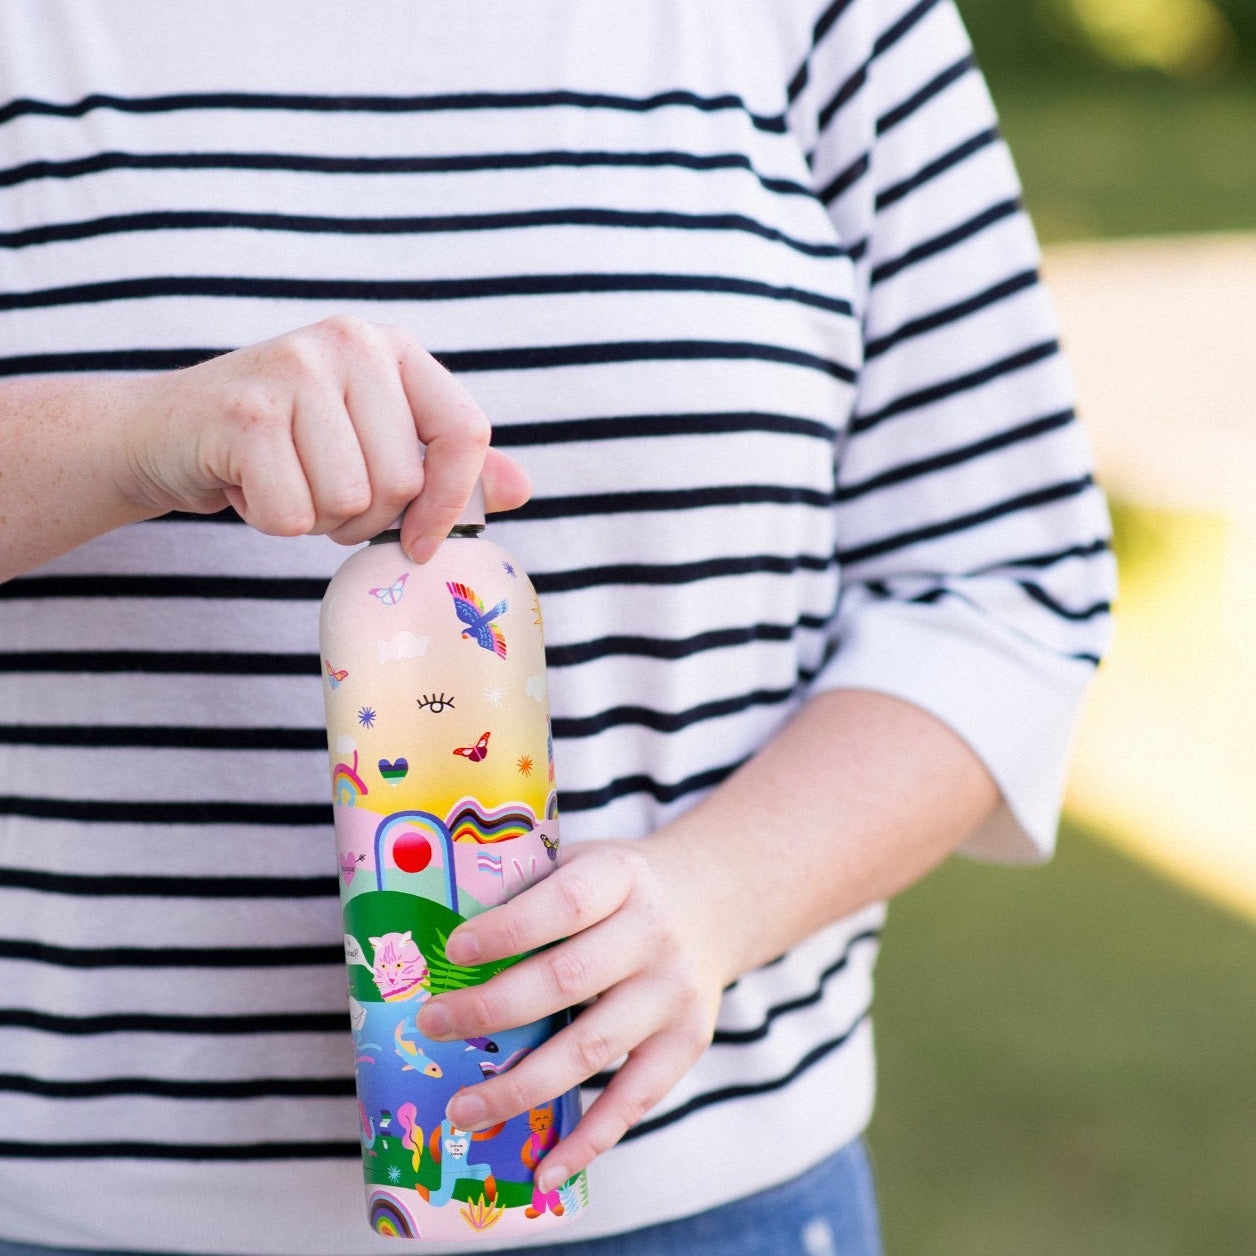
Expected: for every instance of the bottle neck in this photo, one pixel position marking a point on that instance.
(392, 536)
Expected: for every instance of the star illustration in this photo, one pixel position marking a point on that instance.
(366, 717)
(494, 696)
(524, 765)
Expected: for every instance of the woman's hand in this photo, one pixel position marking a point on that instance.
(318, 431)
(635, 935)
(653, 931)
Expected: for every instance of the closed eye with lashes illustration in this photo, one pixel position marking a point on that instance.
(477, 752)
(479, 622)
(435, 703)
(391, 594)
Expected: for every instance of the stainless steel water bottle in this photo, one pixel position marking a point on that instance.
(442, 782)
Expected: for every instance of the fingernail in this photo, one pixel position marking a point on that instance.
(434, 1020)
(551, 1177)
(466, 1111)
(462, 947)
(424, 548)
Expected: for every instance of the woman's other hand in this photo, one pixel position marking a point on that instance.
(628, 935)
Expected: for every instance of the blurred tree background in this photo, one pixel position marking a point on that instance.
(1126, 117)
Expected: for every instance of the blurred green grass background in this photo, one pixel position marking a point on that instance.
(1143, 157)
(1066, 1060)
(1068, 1054)
(1114, 141)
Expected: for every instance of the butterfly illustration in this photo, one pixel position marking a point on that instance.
(551, 846)
(334, 676)
(392, 594)
(477, 752)
(480, 627)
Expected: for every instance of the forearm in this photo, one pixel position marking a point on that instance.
(857, 797)
(62, 465)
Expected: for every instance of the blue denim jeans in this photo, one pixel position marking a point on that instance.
(829, 1211)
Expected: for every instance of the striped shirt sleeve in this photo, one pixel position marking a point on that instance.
(977, 574)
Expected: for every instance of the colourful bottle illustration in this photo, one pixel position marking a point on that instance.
(444, 799)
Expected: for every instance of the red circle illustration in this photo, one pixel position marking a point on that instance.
(412, 852)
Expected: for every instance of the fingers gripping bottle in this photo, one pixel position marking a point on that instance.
(442, 783)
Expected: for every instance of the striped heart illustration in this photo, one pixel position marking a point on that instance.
(393, 770)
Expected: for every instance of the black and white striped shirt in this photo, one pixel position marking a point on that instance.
(749, 292)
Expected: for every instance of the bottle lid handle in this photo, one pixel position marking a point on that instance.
(472, 513)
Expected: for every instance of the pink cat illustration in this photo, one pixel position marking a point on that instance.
(543, 1137)
(398, 968)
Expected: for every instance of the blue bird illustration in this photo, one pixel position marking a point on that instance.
(480, 627)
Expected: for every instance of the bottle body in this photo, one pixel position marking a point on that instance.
(444, 801)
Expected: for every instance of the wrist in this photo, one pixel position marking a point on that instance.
(133, 412)
(156, 463)
(707, 896)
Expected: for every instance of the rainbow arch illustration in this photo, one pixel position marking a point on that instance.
(346, 785)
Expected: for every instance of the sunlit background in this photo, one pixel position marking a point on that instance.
(1069, 1054)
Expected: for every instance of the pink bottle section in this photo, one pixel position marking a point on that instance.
(443, 787)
